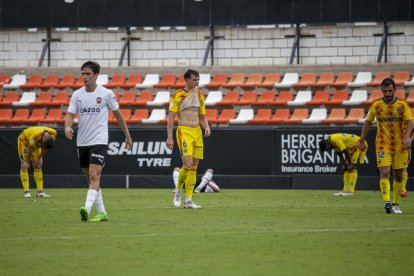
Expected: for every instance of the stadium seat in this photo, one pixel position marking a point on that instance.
(12, 96)
(263, 115)
(37, 115)
(132, 81)
(156, 116)
(379, 77)
(204, 79)
(230, 99)
(143, 98)
(166, 81)
(125, 112)
(409, 83)
(320, 98)
(317, 115)
(117, 80)
(162, 98)
(283, 98)
(298, 115)
(5, 115)
(244, 115)
(247, 98)
(149, 81)
(289, 79)
(375, 94)
(16, 82)
(180, 83)
(116, 96)
(335, 116)
(236, 80)
(338, 97)
(306, 81)
(302, 97)
(78, 83)
(211, 114)
(225, 116)
(26, 99)
(410, 98)
(54, 116)
(138, 116)
(343, 79)
(270, 80)
(354, 115)
(400, 77)
(400, 93)
(218, 81)
(103, 79)
(4, 79)
(213, 97)
(33, 82)
(20, 116)
(361, 79)
(280, 116)
(325, 79)
(50, 81)
(127, 98)
(357, 97)
(67, 81)
(253, 80)
(266, 98)
(60, 98)
(412, 111)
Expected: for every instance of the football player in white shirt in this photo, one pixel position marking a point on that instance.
(92, 103)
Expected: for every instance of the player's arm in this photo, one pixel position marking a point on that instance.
(408, 137)
(170, 129)
(70, 117)
(205, 125)
(364, 132)
(122, 123)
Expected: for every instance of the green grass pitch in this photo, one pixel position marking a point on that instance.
(237, 232)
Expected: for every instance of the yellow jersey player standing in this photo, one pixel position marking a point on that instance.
(393, 142)
(188, 104)
(346, 146)
(32, 145)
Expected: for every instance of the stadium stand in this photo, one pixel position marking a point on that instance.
(11, 96)
(289, 79)
(335, 116)
(283, 98)
(33, 82)
(338, 97)
(362, 79)
(103, 79)
(342, 80)
(161, 98)
(218, 81)
(270, 80)
(354, 116)
(280, 116)
(400, 77)
(50, 81)
(149, 81)
(20, 116)
(78, 83)
(325, 79)
(320, 98)
(409, 83)
(26, 99)
(253, 80)
(266, 98)
(180, 83)
(5, 115)
(125, 112)
(211, 114)
(375, 94)
(117, 80)
(400, 93)
(16, 82)
(204, 80)
(54, 116)
(132, 81)
(357, 97)
(127, 98)
(213, 97)
(302, 97)
(243, 116)
(247, 98)
(156, 116)
(225, 116)
(236, 80)
(67, 81)
(230, 98)
(143, 98)
(138, 116)
(298, 115)
(307, 80)
(410, 97)
(263, 115)
(317, 115)
(60, 98)
(379, 76)
(4, 79)
(37, 115)
(166, 81)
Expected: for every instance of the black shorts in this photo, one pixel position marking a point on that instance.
(92, 155)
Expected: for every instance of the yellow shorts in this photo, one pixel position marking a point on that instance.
(23, 150)
(190, 141)
(397, 160)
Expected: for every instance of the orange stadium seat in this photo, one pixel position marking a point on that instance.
(236, 79)
(60, 98)
(375, 94)
(12, 96)
(166, 81)
(297, 116)
(218, 81)
(354, 115)
(400, 93)
(117, 80)
(43, 99)
(138, 116)
(280, 116)
(335, 117)
(132, 81)
(231, 98)
(125, 112)
(5, 115)
(270, 80)
(253, 80)
(400, 77)
(33, 82)
(325, 79)
(4, 79)
(338, 97)
(144, 97)
(49, 82)
(320, 98)
(67, 81)
(306, 81)
(225, 116)
(127, 98)
(78, 83)
(248, 98)
(266, 98)
(180, 83)
(211, 114)
(37, 115)
(379, 76)
(410, 98)
(343, 79)
(54, 116)
(263, 115)
(284, 97)
(20, 116)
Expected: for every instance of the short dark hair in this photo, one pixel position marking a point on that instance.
(322, 144)
(387, 82)
(191, 72)
(92, 65)
(48, 142)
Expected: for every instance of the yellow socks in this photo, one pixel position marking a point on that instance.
(38, 177)
(182, 177)
(346, 181)
(353, 176)
(404, 181)
(396, 195)
(191, 181)
(24, 177)
(385, 189)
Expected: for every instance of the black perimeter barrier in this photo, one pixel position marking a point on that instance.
(242, 157)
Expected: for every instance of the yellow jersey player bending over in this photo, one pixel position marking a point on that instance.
(32, 145)
(346, 146)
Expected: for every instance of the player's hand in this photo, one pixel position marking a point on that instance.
(170, 143)
(361, 145)
(207, 132)
(128, 142)
(407, 143)
(69, 133)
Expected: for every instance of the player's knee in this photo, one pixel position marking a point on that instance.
(398, 177)
(94, 176)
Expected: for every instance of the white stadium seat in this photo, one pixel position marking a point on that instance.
(243, 117)
(289, 79)
(316, 116)
(17, 80)
(161, 98)
(26, 99)
(357, 97)
(409, 83)
(301, 98)
(362, 79)
(103, 79)
(204, 79)
(149, 81)
(213, 97)
(156, 116)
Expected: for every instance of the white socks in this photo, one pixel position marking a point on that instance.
(99, 203)
(204, 181)
(90, 199)
(175, 177)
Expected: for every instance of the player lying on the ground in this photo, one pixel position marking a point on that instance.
(206, 185)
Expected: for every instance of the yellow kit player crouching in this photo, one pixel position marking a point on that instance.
(32, 145)
(346, 146)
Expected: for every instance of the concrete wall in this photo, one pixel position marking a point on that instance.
(340, 44)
